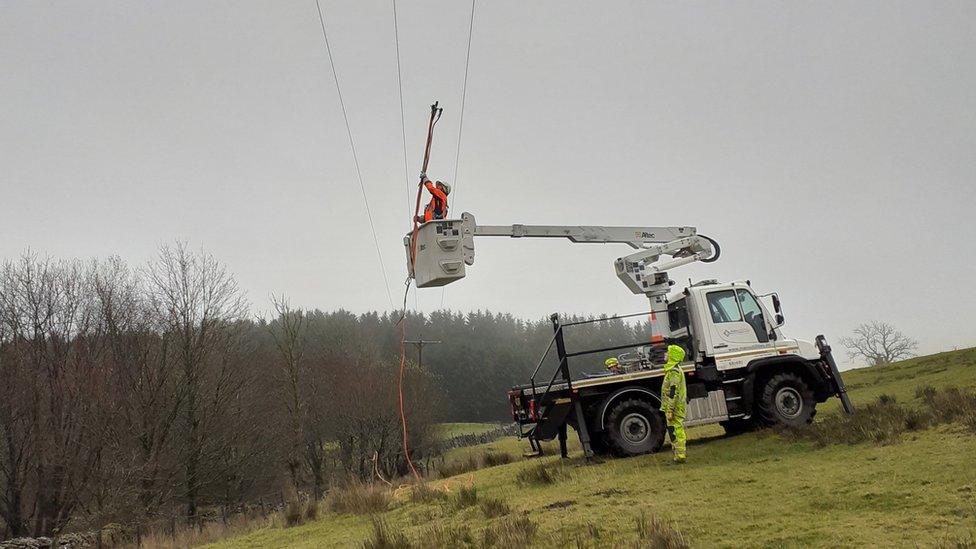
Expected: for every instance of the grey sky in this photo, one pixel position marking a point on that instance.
(829, 147)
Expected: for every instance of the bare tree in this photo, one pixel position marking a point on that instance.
(52, 384)
(200, 302)
(879, 343)
(288, 331)
(144, 377)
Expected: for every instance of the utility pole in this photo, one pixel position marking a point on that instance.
(419, 343)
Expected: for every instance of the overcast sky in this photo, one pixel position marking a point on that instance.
(830, 147)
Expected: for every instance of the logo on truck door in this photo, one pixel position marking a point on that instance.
(729, 333)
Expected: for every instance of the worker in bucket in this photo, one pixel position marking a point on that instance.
(437, 208)
(674, 395)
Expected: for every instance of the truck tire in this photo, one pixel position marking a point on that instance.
(786, 400)
(635, 427)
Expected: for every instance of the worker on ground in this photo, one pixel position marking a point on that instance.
(612, 364)
(674, 395)
(437, 208)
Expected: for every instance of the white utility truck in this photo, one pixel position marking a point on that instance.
(741, 370)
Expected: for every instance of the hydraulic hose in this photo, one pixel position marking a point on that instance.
(717, 250)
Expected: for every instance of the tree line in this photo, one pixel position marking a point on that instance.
(128, 393)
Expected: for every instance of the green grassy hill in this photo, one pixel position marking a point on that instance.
(759, 489)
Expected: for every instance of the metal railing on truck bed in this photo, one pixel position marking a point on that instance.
(540, 409)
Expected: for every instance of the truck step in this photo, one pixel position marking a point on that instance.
(733, 380)
(730, 399)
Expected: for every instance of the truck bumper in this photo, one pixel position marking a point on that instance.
(837, 381)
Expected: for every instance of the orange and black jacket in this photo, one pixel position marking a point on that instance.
(437, 208)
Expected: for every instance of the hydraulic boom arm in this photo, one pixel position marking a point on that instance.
(637, 270)
(635, 237)
(444, 247)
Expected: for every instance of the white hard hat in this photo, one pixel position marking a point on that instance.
(447, 187)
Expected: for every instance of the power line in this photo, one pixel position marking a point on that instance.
(403, 125)
(403, 135)
(464, 92)
(355, 157)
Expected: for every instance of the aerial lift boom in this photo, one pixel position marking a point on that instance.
(444, 247)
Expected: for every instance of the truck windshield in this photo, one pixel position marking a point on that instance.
(723, 307)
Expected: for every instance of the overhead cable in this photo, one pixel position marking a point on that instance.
(355, 157)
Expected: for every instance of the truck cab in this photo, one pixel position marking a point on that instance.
(730, 324)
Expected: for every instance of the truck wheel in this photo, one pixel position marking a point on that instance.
(635, 427)
(786, 400)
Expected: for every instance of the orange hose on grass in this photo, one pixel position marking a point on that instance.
(403, 415)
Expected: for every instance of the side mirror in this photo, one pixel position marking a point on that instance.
(777, 307)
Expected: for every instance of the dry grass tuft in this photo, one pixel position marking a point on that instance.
(208, 533)
(657, 534)
(292, 513)
(970, 421)
(494, 507)
(513, 532)
(358, 499)
(541, 474)
(436, 537)
(311, 510)
(885, 420)
(948, 404)
(466, 497)
(383, 537)
(474, 461)
(422, 492)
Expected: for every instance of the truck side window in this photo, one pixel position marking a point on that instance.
(723, 307)
(678, 315)
(753, 315)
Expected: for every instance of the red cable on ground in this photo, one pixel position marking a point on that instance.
(403, 415)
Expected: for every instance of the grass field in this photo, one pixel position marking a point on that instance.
(757, 490)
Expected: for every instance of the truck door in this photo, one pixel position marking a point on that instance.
(728, 328)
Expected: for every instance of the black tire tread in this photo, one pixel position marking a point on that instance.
(612, 434)
(766, 405)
